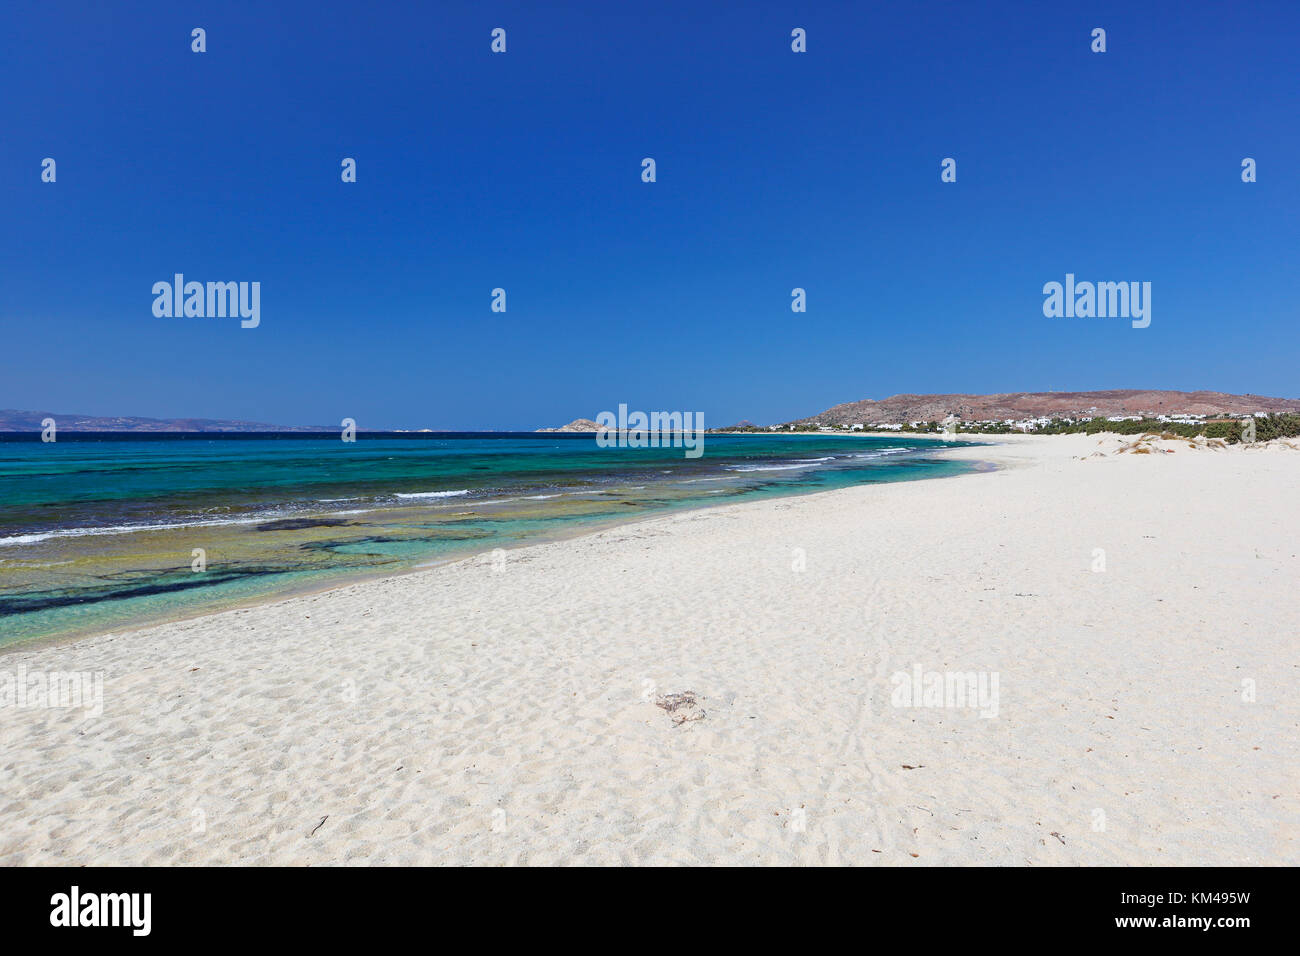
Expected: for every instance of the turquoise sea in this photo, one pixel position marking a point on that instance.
(106, 531)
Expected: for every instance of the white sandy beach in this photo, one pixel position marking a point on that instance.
(475, 715)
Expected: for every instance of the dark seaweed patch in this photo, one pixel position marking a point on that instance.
(44, 600)
(298, 524)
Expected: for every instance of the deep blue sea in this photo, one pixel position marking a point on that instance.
(106, 531)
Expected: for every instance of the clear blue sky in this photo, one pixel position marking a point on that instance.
(522, 170)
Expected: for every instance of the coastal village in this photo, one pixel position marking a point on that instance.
(1025, 425)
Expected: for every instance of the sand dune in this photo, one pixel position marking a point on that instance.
(488, 715)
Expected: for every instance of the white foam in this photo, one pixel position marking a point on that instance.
(504, 501)
(127, 529)
(882, 452)
(747, 468)
(25, 538)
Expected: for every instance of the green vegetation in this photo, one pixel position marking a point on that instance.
(1274, 426)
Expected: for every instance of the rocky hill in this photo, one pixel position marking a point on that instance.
(577, 425)
(1020, 405)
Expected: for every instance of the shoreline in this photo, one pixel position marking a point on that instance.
(344, 578)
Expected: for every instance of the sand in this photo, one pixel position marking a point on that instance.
(488, 713)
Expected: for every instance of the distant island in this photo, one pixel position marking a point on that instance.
(13, 420)
(577, 425)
